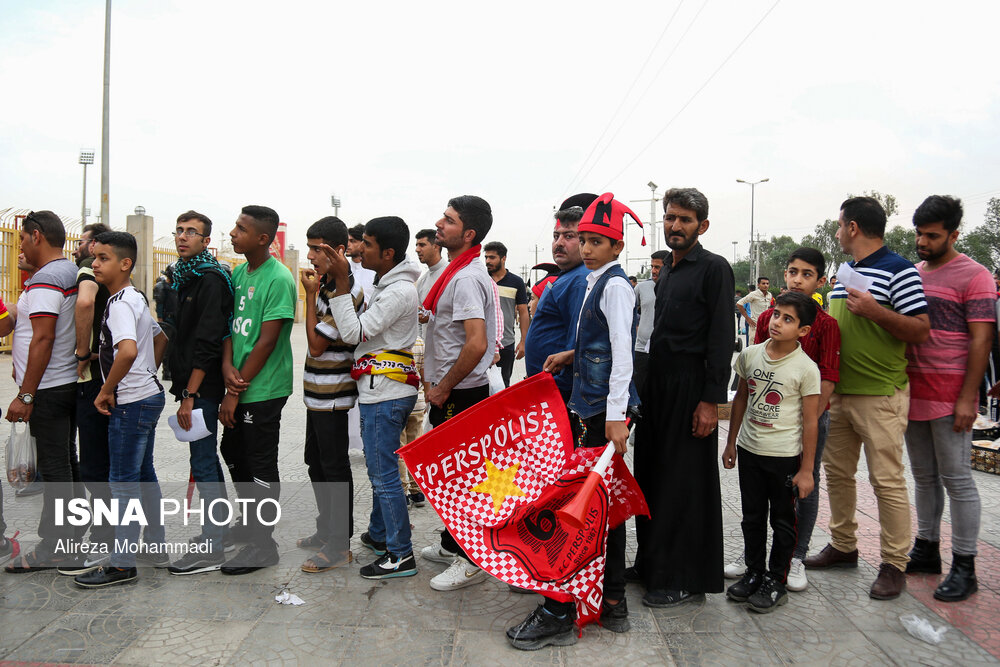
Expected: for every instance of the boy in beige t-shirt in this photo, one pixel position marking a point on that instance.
(775, 412)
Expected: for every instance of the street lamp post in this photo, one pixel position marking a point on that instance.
(653, 239)
(105, 121)
(86, 157)
(753, 263)
(335, 203)
(734, 251)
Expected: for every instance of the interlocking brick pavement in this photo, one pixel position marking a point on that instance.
(212, 619)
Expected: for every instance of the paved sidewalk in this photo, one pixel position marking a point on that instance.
(212, 619)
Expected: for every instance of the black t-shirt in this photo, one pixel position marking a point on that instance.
(83, 274)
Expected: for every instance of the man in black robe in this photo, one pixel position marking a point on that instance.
(679, 556)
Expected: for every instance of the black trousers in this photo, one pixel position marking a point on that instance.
(506, 363)
(95, 462)
(251, 451)
(766, 484)
(53, 425)
(458, 400)
(326, 457)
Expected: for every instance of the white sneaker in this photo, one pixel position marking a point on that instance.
(462, 573)
(437, 554)
(797, 576)
(737, 568)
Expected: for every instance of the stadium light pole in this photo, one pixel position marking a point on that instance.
(753, 264)
(86, 157)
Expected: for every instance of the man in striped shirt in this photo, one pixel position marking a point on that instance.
(328, 392)
(871, 401)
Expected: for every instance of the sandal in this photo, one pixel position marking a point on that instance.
(31, 562)
(320, 563)
(311, 542)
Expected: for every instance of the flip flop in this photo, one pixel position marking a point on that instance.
(31, 562)
(311, 542)
(320, 563)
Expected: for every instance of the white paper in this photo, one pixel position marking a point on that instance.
(197, 431)
(852, 279)
(284, 597)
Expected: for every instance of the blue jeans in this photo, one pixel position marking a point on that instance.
(381, 424)
(207, 472)
(807, 508)
(131, 431)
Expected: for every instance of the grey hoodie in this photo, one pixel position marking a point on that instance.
(389, 322)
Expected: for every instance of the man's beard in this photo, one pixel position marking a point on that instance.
(675, 244)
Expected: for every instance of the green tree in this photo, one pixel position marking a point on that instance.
(774, 256)
(824, 239)
(888, 202)
(741, 270)
(983, 242)
(902, 241)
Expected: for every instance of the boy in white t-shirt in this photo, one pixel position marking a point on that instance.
(775, 410)
(132, 346)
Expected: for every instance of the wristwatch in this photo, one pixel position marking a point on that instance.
(26, 398)
(185, 394)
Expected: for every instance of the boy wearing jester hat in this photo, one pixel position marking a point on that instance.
(602, 394)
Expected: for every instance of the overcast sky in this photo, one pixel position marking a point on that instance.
(398, 106)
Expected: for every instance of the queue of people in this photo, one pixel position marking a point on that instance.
(898, 364)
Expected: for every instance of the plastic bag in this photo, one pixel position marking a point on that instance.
(922, 629)
(495, 378)
(20, 456)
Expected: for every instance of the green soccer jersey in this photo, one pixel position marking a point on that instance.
(267, 293)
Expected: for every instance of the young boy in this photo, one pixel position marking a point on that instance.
(806, 273)
(602, 394)
(329, 392)
(777, 442)
(257, 368)
(132, 346)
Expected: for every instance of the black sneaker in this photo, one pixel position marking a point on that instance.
(416, 499)
(632, 575)
(541, 629)
(90, 563)
(196, 563)
(745, 587)
(377, 547)
(227, 542)
(769, 596)
(106, 576)
(250, 559)
(151, 559)
(390, 567)
(615, 618)
(6, 549)
(240, 533)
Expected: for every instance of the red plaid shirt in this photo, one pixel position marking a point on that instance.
(822, 343)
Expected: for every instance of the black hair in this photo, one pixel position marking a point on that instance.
(632, 278)
(95, 229)
(428, 234)
(357, 232)
(660, 255)
(331, 229)
(475, 214)
(122, 243)
(805, 307)
(689, 198)
(868, 213)
(939, 208)
(497, 247)
(760, 278)
(202, 218)
(48, 225)
(810, 256)
(265, 219)
(390, 233)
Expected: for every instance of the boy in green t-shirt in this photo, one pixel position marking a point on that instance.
(774, 422)
(257, 367)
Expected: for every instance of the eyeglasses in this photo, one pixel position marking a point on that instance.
(187, 233)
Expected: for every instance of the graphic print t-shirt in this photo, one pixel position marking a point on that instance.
(772, 425)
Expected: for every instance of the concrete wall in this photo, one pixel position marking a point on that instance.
(144, 274)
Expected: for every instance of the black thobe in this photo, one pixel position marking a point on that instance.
(680, 545)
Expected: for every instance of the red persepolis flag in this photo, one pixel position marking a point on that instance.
(497, 474)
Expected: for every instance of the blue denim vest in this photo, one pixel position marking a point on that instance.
(592, 359)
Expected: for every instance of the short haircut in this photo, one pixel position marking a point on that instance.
(122, 243)
(429, 234)
(48, 225)
(761, 279)
(200, 217)
(331, 229)
(475, 214)
(660, 255)
(632, 278)
(689, 198)
(868, 213)
(391, 233)
(265, 219)
(939, 208)
(810, 256)
(805, 307)
(497, 247)
(95, 229)
(357, 232)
